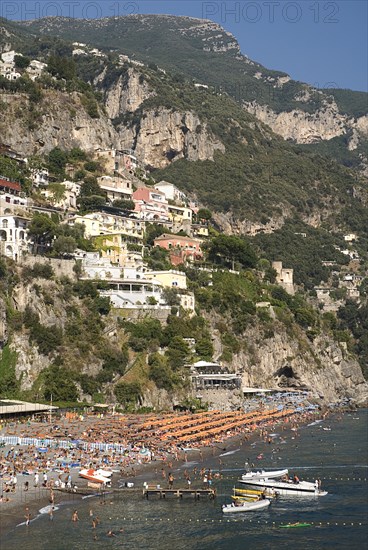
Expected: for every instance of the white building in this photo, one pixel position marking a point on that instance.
(40, 176)
(35, 69)
(171, 191)
(8, 57)
(9, 71)
(79, 51)
(9, 203)
(14, 240)
(350, 238)
(100, 223)
(136, 292)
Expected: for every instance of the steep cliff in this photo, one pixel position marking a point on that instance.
(319, 126)
(286, 358)
(126, 94)
(163, 136)
(204, 51)
(59, 120)
(62, 119)
(323, 124)
(270, 360)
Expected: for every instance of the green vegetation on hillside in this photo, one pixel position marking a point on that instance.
(304, 249)
(351, 103)
(181, 50)
(355, 318)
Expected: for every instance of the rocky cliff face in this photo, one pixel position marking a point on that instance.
(163, 136)
(301, 127)
(46, 299)
(322, 366)
(59, 120)
(3, 324)
(127, 94)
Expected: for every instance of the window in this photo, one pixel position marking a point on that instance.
(5, 224)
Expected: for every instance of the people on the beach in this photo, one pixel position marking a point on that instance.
(27, 516)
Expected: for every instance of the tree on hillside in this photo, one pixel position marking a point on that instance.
(91, 195)
(59, 383)
(124, 204)
(58, 192)
(41, 230)
(204, 214)
(61, 67)
(57, 160)
(64, 245)
(177, 352)
(128, 393)
(21, 61)
(154, 230)
(227, 250)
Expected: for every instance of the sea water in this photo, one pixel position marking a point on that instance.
(338, 456)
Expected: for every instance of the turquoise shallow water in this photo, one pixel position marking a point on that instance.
(338, 456)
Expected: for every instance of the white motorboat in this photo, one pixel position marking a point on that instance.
(244, 506)
(300, 488)
(265, 474)
(104, 473)
(93, 475)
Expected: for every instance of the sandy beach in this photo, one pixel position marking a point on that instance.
(132, 467)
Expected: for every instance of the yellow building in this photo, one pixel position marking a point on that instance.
(179, 214)
(119, 249)
(101, 223)
(172, 278)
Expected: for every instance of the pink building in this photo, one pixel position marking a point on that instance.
(151, 204)
(182, 249)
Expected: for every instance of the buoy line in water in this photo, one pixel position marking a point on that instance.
(243, 520)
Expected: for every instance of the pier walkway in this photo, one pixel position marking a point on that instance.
(179, 493)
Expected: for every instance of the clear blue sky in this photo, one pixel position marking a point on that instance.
(322, 42)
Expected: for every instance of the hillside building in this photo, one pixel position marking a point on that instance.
(207, 375)
(118, 161)
(101, 223)
(69, 199)
(284, 277)
(151, 204)
(171, 192)
(116, 188)
(182, 249)
(14, 240)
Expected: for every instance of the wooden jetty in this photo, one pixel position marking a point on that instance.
(178, 493)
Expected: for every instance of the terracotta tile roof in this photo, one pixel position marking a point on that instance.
(10, 185)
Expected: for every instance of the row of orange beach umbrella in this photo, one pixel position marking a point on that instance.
(230, 426)
(211, 423)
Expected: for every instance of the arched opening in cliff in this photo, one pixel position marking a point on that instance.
(171, 154)
(286, 371)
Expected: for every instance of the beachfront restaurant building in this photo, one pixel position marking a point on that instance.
(11, 408)
(207, 375)
(225, 381)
